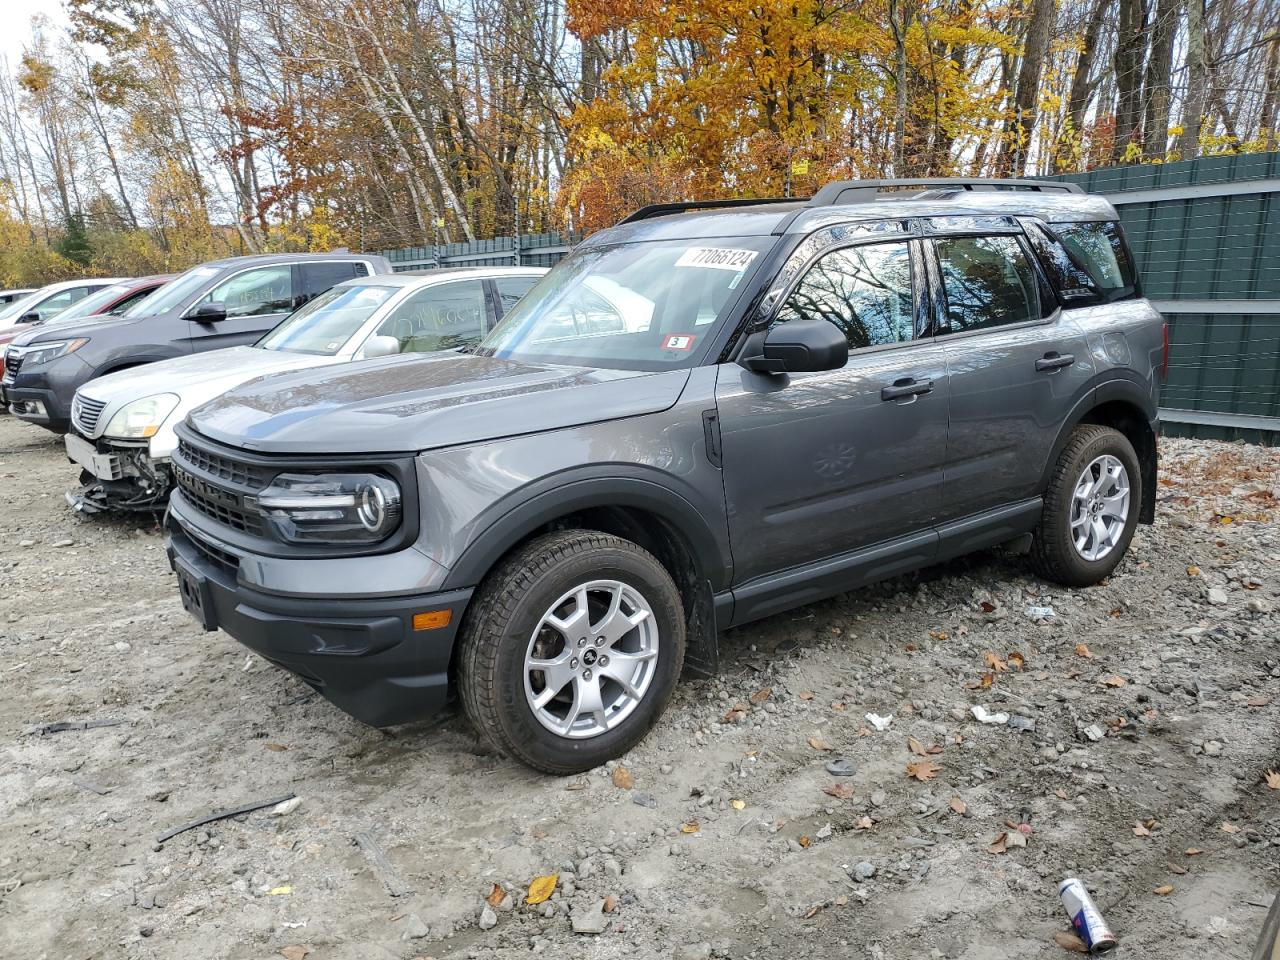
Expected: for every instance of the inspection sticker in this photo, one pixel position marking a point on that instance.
(716, 258)
(678, 341)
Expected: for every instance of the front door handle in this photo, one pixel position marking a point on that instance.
(1054, 361)
(906, 387)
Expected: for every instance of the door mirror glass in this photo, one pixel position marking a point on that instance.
(209, 313)
(32, 317)
(379, 346)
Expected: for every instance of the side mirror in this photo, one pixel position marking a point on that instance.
(32, 317)
(210, 312)
(797, 346)
(380, 347)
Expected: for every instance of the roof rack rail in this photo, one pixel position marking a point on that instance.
(682, 206)
(859, 191)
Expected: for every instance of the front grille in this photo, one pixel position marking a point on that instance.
(12, 361)
(225, 506)
(223, 467)
(85, 413)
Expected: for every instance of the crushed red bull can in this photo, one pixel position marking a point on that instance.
(1085, 917)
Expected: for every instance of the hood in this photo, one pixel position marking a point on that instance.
(197, 377)
(9, 334)
(70, 329)
(407, 404)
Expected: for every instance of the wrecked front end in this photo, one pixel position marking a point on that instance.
(117, 475)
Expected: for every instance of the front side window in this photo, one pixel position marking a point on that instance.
(441, 317)
(254, 292)
(988, 282)
(1100, 249)
(863, 290)
(650, 305)
(325, 324)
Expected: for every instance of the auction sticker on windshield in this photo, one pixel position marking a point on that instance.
(716, 258)
(678, 341)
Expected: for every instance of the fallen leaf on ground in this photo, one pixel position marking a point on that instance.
(1060, 794)
(841, 900)
(1115, 681)
(806, 694)
(279, 891)
(916, 747)
(1082, 650)
(1273, 779)
(819, 744)
(691, 827)
(837, 705)
(1163, 891)
(496, 895)
(959, 806)
(738, 804)
(622, 778)
(805, 841)
(734, 714)
(840, 791)
(988, 606)
(992, 661)
(610, 903)
(1069, 941)
(1173, 867)
(1193, 571)
(295, 951)
(541, 889)
(987, 680)
(864, 823)
(1193, 852)
(938, 634)
(1140, 831)
(277, 748)
(761, 695)
(1258, 702)
(813, 911)
(998, 845)
(923, 770)
(1230, 828)
(1017, 660)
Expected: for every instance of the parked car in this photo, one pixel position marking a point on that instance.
(114, 300)
(824, 394)
(224, 303)
(46, 303)
(121, 432)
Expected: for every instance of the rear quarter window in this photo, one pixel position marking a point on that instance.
(1099, 248)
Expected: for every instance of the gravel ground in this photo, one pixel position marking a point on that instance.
(1152, 703)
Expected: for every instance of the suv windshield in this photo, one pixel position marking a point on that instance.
(328, 321)
(630, 306)
(172, 293)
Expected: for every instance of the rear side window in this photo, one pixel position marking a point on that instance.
(319, 277)
(863, 290)
(1099, 247)
(511, 289)
(988, 282)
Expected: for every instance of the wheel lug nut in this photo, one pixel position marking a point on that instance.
(582, 642)
(604, 661)
(573, 664)
(599, 641)
(586, 674)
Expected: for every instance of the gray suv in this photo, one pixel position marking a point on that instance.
(705, 415)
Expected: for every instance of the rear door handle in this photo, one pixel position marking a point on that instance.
(906, 387)
(1054, 361)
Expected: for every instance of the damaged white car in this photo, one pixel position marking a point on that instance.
(122, 424)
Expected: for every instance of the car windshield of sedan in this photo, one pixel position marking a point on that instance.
(650, 305)
(324, 324)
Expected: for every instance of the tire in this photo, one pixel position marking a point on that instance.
(507, 623)
(1054, 552)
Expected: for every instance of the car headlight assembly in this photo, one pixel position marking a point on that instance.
(331, 507)
(141, 418)
(52, 350)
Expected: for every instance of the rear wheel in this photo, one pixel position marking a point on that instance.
(571, 650)
(1090, 508)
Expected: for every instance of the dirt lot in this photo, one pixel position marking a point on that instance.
(1155, 700)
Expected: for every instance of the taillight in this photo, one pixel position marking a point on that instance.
(1164, 359)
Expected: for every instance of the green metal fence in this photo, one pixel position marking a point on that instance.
(1206, 236)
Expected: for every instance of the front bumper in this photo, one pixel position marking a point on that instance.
(116, 475)
(363, 655)
(42, 395)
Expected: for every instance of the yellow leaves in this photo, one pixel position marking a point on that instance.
(693, 826)
(923, 770)
(280, 891)
(541, 888)
(1163, 891)
(1193, 571)
(738, 804)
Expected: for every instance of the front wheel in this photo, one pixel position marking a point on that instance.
(571, 650)
(1091, 508)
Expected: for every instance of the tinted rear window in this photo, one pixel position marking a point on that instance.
(1099, 247)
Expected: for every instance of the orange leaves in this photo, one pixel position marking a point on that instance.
(958, 806)
(622, 778)
(993, 662)
(923, 770)
(1082, 650)
(840, 791)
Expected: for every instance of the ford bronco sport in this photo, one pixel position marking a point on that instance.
(707, 414)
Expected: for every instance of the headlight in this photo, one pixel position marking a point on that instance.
(331, 507)
(52, 350)
(141, 418)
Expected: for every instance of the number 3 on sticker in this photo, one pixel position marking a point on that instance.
(678, 341)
